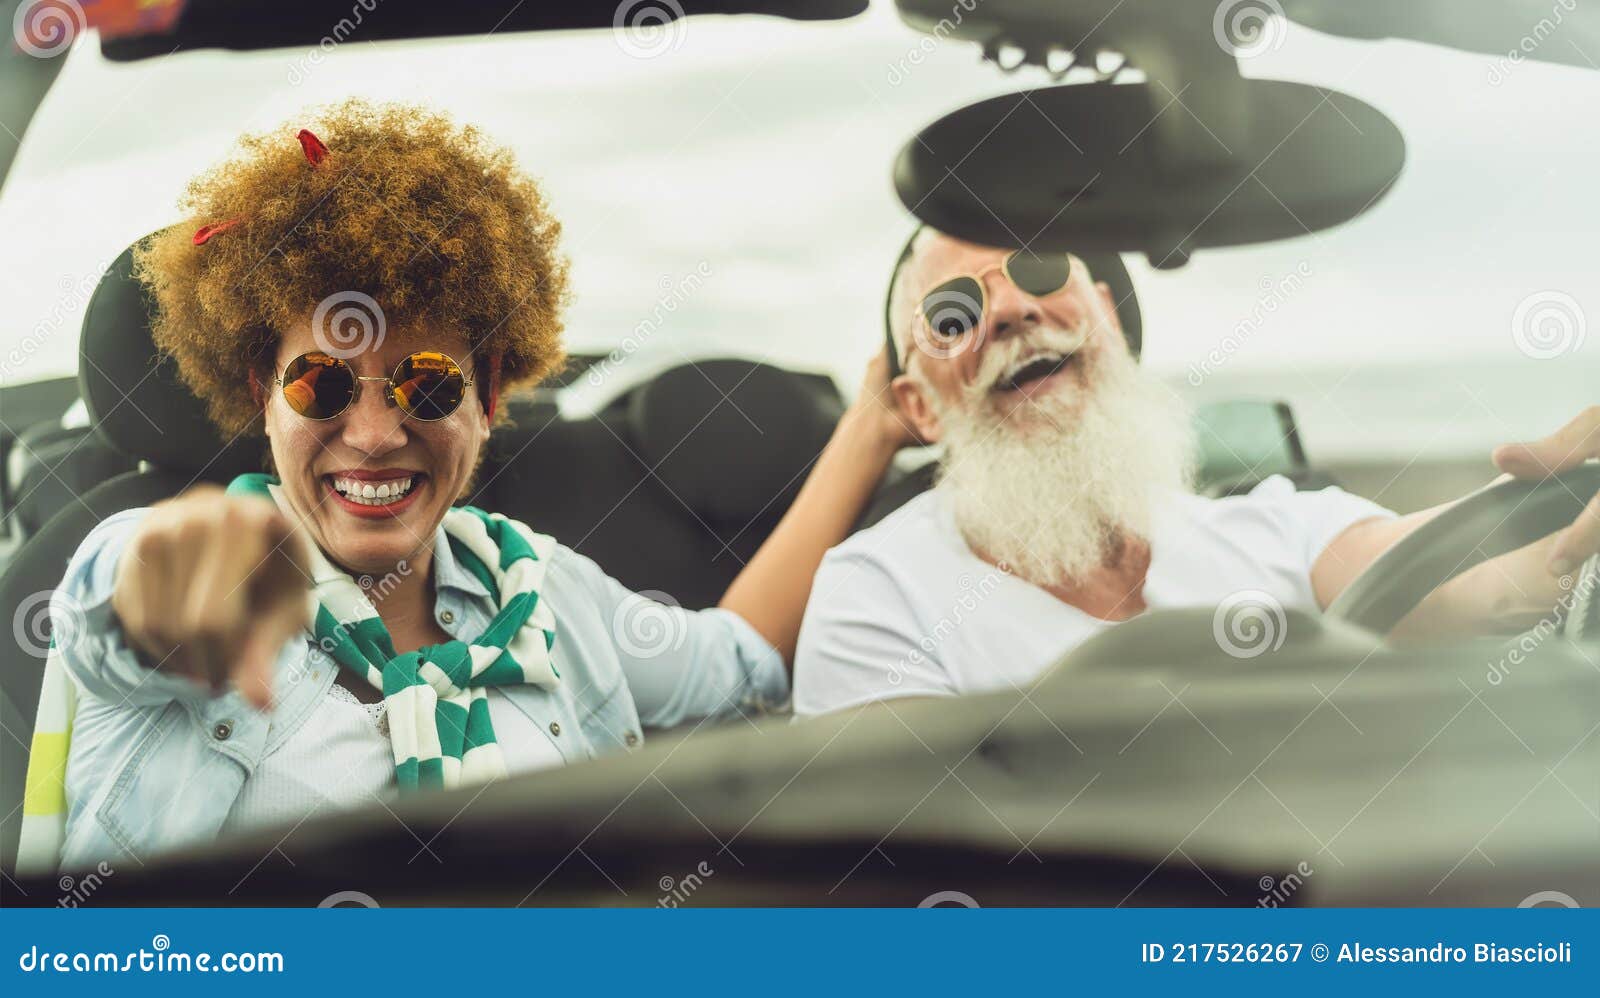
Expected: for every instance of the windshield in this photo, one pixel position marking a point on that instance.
(725, 190)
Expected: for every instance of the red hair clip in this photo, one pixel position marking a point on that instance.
(315, 152)
(312, 146)
(203, 234)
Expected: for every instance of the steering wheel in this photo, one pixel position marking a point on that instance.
(1492, 521)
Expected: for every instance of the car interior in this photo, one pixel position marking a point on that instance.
(1173, 811)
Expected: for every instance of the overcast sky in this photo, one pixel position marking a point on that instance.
(755, 154)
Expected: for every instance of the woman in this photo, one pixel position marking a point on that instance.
(337, 631)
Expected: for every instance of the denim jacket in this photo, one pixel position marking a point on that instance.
(156, 762)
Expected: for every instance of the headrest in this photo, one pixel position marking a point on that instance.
(689, 421)
(134, 396)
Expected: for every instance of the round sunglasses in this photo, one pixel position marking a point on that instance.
(427, 385)
(955, 307)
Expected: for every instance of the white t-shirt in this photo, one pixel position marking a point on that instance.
(905, 608)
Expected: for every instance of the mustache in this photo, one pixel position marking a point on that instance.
(1001, 356)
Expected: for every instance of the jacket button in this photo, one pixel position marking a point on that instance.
(446, 617)
(555, 727)
(632, 739)
(222, 731)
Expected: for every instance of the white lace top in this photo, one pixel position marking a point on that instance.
(340, 758)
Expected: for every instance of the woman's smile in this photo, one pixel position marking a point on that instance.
(375, 494)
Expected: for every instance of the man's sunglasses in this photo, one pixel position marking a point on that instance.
(426, 385)
(956, 307)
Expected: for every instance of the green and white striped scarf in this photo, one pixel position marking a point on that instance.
(436, 696)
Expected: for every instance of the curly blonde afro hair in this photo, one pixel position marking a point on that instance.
(430, 220)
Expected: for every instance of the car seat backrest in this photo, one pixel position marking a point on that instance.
(672, 487)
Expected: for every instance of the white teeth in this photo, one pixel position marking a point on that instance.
(368, 494)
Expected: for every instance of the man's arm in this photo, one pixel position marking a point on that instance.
(1506, 594)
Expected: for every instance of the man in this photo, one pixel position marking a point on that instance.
(1063, 503)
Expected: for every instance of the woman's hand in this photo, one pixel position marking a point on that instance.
(210, 586)
(875, 406)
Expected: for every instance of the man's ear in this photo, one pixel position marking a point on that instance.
(1108, 300)
(911, 398)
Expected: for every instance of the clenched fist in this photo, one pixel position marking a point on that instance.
(211, 586)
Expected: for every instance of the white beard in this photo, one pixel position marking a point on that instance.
(1054, 488)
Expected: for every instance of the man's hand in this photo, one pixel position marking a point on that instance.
(1569, 446)
(211, 586)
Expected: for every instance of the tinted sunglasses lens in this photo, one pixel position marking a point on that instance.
(1039, 275)
(318, 386)
(429, 385)
(954, 308)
